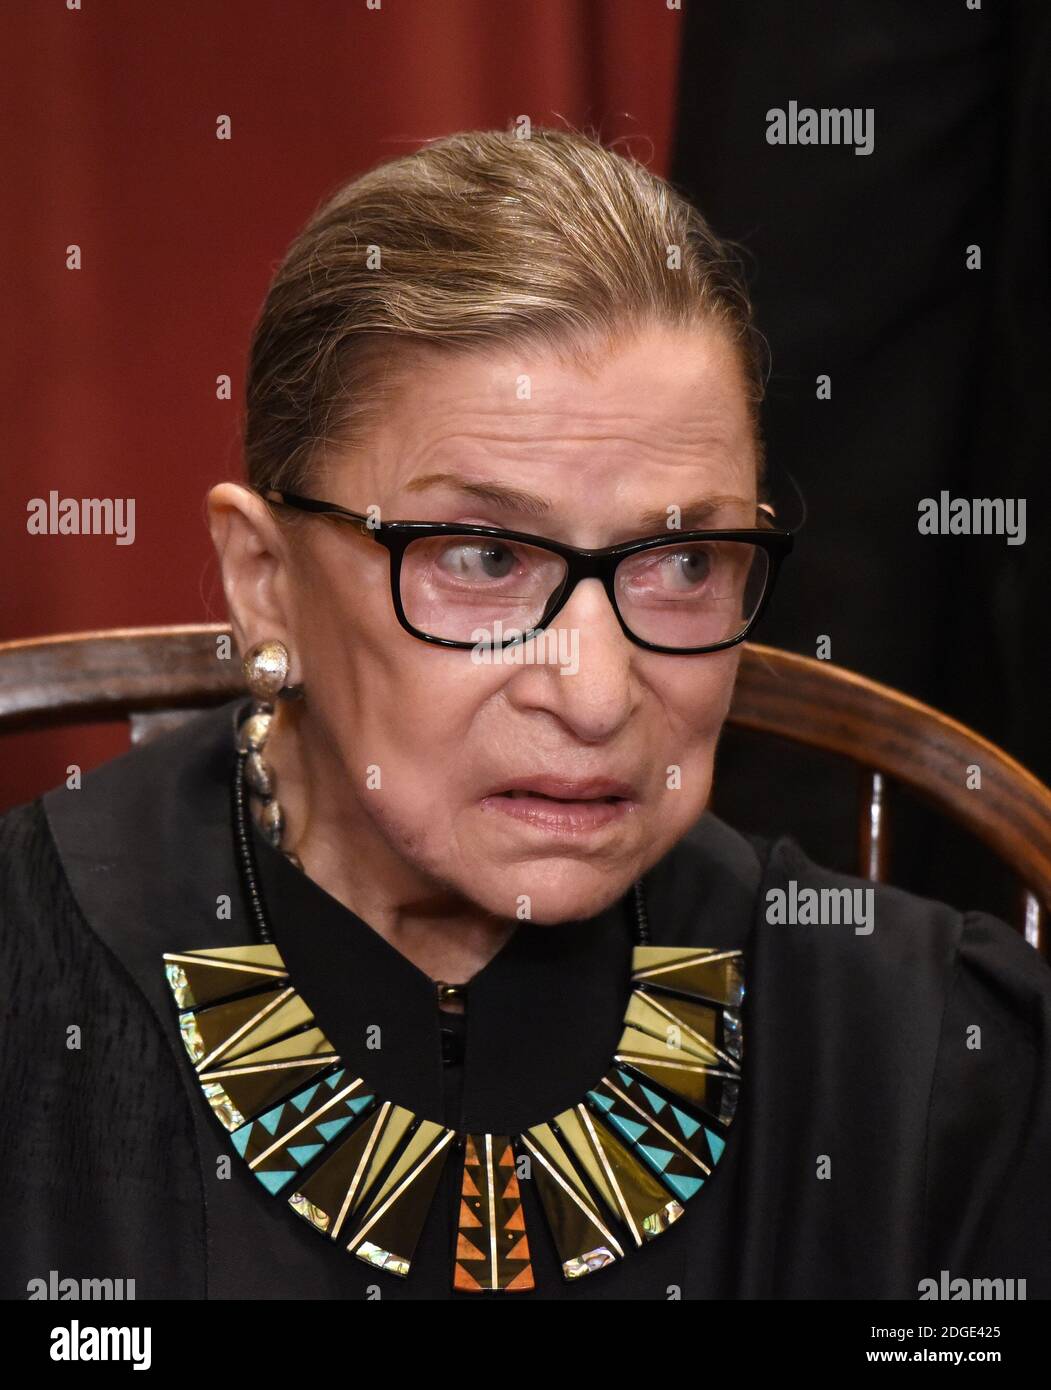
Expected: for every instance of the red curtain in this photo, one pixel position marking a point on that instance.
(109, 144)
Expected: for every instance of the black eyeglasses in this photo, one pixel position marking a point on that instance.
(480, 586)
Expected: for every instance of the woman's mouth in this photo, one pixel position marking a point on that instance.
(562, 807)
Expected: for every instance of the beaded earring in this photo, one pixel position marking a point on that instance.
(266, 668)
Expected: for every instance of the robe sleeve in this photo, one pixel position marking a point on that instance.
(988, 1171)
(99, 1172)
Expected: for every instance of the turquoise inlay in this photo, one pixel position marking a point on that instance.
(631, 1128)
(330, 1128)
(659, 1157)
(241, 1137)
(304, 1098)
(716, 1143)
(683, 1187)
(658, 1102)
(687, 1125)
(606, 1102)
(270, 1119)
(333, 1080)
(358, 1103)
(303, 1153)
(628, 1080)
(274, 1182)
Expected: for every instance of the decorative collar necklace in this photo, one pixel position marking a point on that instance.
(612, 1172)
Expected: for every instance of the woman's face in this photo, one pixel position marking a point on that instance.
(410, 743)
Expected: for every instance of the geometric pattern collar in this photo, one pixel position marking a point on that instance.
(611, 1172)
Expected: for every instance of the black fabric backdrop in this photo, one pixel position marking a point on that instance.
(938, 372)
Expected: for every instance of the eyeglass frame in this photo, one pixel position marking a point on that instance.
(601, 564)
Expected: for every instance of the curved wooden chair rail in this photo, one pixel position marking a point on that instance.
(153, 676)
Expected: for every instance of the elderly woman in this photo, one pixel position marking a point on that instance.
(425, 972)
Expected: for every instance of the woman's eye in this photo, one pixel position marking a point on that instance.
(684, 569)
(695, 566)
(478, 560)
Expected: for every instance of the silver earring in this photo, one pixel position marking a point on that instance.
(265, 668)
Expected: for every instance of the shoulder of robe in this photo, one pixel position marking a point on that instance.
(867, 923)
(129, 863)
(152, 826)
(874, 963)
(98, 1139)
(67, 993)
(1000, 960)
(33, 886)
(172, 770)
(989, 1215)
(919, 951)
(51, 959)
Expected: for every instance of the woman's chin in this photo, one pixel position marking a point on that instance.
(551, 895)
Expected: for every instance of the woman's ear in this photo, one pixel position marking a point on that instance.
(253, 558)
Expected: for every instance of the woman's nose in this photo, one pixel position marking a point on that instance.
(586, 676)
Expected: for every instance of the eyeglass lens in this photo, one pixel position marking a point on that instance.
(690, 594)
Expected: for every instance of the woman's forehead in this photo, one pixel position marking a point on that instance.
(668, 406)
(696, 374)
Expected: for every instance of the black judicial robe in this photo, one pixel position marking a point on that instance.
(856, 1064)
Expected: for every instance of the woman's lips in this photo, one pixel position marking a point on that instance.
(550, 784)
(557, 816)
